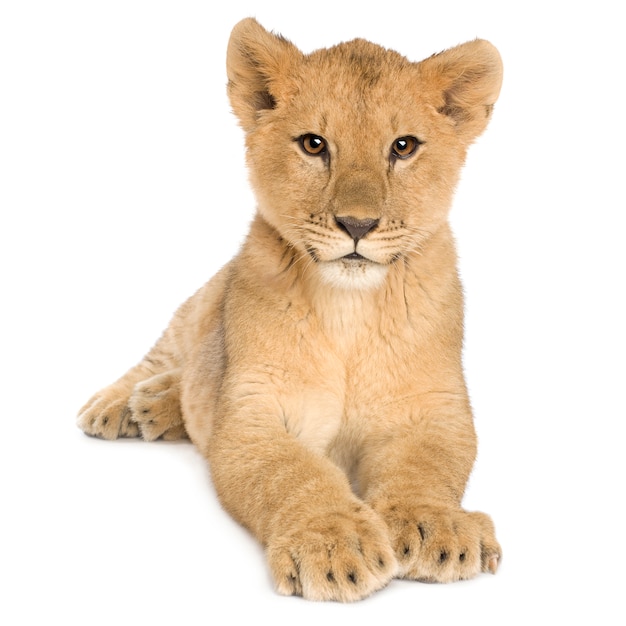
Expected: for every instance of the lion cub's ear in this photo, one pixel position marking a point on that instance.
(259, 65)
(465, 83)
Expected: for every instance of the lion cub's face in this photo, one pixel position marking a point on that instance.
(354, 151)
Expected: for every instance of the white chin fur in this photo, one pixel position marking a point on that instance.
(352, 274)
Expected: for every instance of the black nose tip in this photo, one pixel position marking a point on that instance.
(356, 228)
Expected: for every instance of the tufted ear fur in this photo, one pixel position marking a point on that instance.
(466, 82)
(258, 65)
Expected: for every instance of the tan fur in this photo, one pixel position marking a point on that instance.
(326, 393)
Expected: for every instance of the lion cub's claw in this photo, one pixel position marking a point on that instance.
(442, 545)
(333, 557)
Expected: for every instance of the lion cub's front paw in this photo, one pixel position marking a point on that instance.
(341, 556)
(439, 544)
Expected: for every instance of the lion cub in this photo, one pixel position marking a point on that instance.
(319, 372)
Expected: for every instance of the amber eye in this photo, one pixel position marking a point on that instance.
(313, 144)
(404, 147)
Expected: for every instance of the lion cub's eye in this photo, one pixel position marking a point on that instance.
(404, 147)
(313, 144)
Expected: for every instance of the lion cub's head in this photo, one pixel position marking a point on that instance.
(354, 151)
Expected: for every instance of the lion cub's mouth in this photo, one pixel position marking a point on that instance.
(353, 271)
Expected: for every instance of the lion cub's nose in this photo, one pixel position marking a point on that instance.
(356, 228)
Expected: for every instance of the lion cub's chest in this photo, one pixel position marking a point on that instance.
(346, 370)
(314, 415)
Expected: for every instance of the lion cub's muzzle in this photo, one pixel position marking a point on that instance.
(357, 229)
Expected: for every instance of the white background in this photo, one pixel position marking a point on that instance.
(122, 189)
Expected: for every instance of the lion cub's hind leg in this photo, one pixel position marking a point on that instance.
(155, 407)
(107, 414)
(140, 404)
